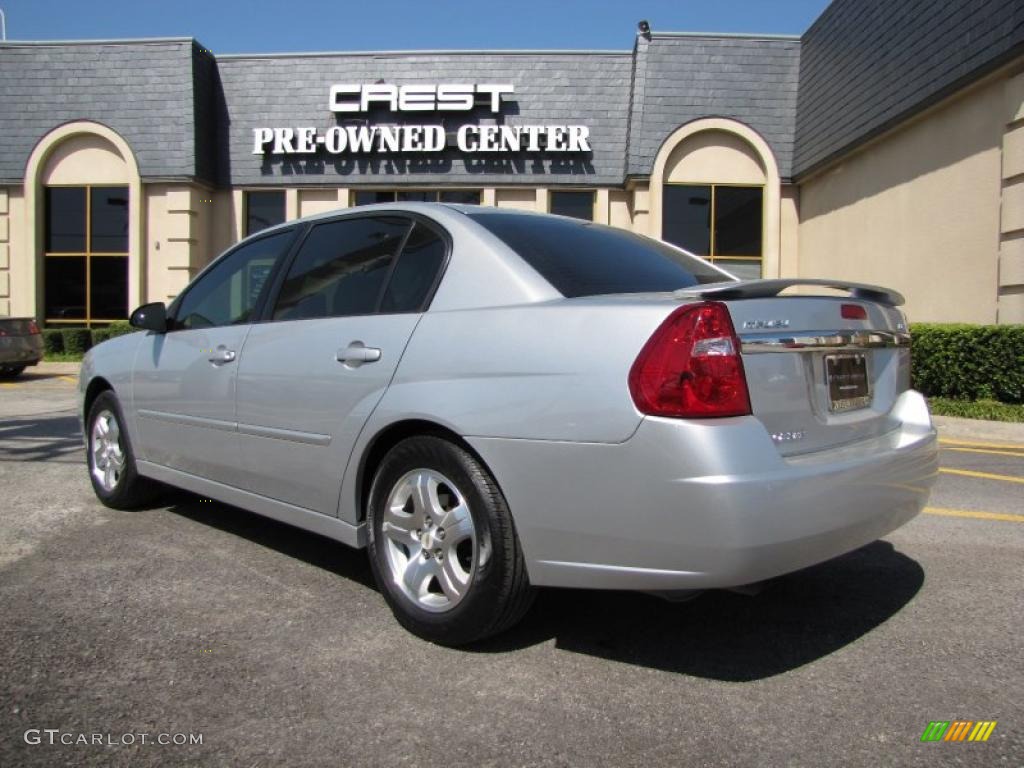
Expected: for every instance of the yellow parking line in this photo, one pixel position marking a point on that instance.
(982, 475)
(1018, 454)
(975, 514)
(975, 444)
(71, 379)
(6, 385)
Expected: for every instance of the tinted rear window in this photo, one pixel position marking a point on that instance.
(584, 259)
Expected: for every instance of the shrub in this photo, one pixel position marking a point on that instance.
(120, 328)
(53, 341)
(76, 340)
(969, 362)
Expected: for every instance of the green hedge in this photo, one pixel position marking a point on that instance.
(76, 340)
(53, 341)
(969, 362)
(120, 328)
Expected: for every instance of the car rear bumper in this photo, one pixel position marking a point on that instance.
(702, 504)
(21, 350)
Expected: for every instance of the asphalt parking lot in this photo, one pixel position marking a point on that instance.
(273, 645)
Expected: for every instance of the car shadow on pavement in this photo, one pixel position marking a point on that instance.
(290, 541)
(796, 620)
(44, 437)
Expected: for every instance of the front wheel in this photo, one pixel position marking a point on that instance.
(111, 460)
(443, 547)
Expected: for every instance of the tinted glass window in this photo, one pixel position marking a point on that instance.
(581, 259)
(228, 293)
(65, 220)
(340, 268)
(417, 195)
(738, 221)
(414, 274)
(108, 287)
(579, 205)
(464, 196)
(686, 220)
(371, 196)
(263, 209)
(108, 231)
(64, 281)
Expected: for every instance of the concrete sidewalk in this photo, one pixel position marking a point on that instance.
(949, 427)
(55, 369)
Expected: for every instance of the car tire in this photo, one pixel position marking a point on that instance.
(442, 544)
(110, 458)
(11, 371)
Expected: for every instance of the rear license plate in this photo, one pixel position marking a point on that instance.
(848, 385)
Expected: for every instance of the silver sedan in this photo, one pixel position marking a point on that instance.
(491, 401)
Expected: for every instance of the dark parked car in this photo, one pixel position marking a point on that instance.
(21, 345)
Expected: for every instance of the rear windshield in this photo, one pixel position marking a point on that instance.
(583, 259)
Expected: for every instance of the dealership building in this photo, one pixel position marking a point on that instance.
(884, 145)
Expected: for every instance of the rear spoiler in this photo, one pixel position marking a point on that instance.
(759, 289)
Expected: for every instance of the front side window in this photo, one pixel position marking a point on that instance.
(341, 268)
(228, 293)
(722, 223)
(263, 209)
(578, 205)
(85, 273)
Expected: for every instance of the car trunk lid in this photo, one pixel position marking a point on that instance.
(822, 371)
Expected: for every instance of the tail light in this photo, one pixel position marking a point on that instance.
(853, 312)
(691, 366)
(33, 328)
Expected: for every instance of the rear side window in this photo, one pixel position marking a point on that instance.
(416, 271)
(340, 268)
(583, 259)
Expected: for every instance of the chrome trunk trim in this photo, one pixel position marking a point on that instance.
(831, 341)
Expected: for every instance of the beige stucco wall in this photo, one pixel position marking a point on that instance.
(181, 230)
(918, 210)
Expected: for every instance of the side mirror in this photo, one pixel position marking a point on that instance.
(150, 317)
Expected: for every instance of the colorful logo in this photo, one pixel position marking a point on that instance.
(958, 730)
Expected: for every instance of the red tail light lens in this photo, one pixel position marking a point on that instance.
(33, 329)
(853, 312)
(691, 366)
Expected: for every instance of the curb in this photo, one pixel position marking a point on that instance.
(952, 427)
(56, 368)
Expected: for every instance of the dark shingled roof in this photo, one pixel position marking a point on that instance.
(590, 89)
(869, 64)
(680, 78)
(862, 67)
(143, 90)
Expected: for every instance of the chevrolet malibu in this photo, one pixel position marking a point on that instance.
(491, 401)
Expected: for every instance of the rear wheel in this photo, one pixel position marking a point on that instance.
(443, 547)
(111, 461)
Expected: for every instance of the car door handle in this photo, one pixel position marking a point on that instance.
(357, 353)
(222, 355)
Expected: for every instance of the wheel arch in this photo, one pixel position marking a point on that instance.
(97, 386)
(390, 436)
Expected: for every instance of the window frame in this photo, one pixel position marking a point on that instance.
(258, 309)
(266, 312)
(87, 320)
(713, 257)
